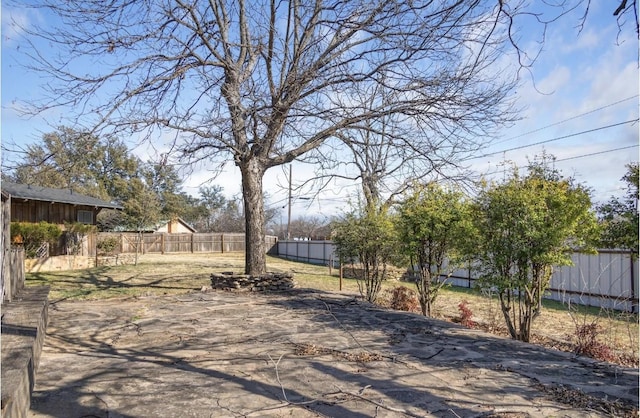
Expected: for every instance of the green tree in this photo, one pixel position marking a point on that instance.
(163, 180)
(142, 210)
(193, 211)
(67, 158)
(367, 239)
(213, 201)
(526, 226)
(619, 217)
(433, 222)
(116, 167)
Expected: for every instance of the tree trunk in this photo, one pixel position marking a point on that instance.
(506, 307)
(255, 259)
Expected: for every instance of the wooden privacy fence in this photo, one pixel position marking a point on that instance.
(608, 279)
(157, 242)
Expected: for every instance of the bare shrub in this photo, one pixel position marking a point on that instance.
(466, 314)
(588, 345)
(404, 299)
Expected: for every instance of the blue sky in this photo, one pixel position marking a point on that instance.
(582, 84)
(585, 81)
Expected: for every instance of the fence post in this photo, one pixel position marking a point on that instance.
(8, 285)
(222, 243)
(633, 285)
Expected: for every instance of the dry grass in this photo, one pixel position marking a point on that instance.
(183, 273)
(556, 327)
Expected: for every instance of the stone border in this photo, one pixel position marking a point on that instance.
(271, 282)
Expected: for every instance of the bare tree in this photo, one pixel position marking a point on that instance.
(266, 82)
(388, 156)
(391, 153)
(310, 227)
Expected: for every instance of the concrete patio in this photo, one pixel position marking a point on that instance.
(303, 354)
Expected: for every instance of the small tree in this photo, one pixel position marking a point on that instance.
(526, 226)
(433, 223)
(619, 217)
(142, 210)
(366, 240)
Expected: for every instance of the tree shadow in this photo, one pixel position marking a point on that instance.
(99, 279)
(76, 398)
(199, 368)
(441, 344)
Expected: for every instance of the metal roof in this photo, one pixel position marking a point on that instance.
(47, 194)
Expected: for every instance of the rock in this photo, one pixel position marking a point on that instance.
(242, 282)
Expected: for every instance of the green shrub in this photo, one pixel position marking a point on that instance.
(32, 236)
(365, 239)
(108, 245)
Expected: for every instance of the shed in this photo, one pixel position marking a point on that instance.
(34, 204)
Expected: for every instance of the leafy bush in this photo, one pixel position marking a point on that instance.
(526, 226)
(32, 236)
(367, 240)
(434, 223)
(107, 245)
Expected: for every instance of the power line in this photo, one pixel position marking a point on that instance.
(567, 120)
(598, 153)
(552, 139)
(571, 158)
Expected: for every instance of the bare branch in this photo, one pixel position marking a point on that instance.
(267, 82)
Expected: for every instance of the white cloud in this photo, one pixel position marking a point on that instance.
(14, 24)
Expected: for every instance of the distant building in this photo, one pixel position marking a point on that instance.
(175, 226)
(57, 206)
(34, 204)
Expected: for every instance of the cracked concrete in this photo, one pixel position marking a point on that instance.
(303, 354)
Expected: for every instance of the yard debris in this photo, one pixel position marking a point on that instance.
(578, 399)
(306, 349)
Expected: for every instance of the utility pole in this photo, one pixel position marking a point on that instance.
(289, 216)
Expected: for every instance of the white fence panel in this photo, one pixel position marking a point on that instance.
(313, 252)
(608, 279)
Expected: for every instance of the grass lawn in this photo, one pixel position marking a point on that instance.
(616, 332)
